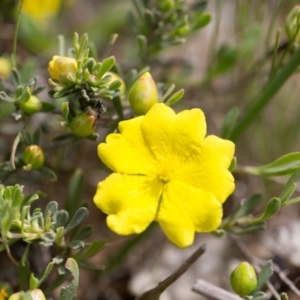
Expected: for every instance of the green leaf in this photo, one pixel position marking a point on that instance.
(61, 218)
(229, 122)
(75, 192)
(5, 97)
(264, 275)
(90, 266)
(289, 186)
(94, 248)
(232, 164)
(284, 165)
(142, 43)
(83, 233)
(249, 229)
(24, 271)
(46, 273)
(38, 90)
(267, 93)
(15, 78)
(107, 64)
(65, 110)
(47, 107)
(246, 206)
(33, 282)
(51, 208)
(272, 207)
(80, 215)
(200, 21)
(68, 292)
(175, 98)
(76, 245)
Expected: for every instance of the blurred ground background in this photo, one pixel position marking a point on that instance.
(244, 32)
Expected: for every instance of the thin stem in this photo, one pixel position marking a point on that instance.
(275, 54)
(154, 294)
(272, 23)
(291, 201)
(213, 292)
(14, 149)
(214, 37)
(12, 259)
(61, 45)
(14, 54)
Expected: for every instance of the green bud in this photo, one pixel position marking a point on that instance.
(166, 5)
(143, 94)
(243, 279)
(32, 105)
(33, 155)
(83, 125)
(292, 23)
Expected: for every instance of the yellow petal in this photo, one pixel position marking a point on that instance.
(208, 170)
(157, 128)
(130, 201)
(173, 137)
(189, 131)
(184, 210)
(127, 152)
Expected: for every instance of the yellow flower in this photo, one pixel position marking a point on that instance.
(165, 170)
(61, 68)
(3, 293)
(5, 67)
(39, 10)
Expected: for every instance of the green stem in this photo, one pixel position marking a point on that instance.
(267, 94)
(14, 54)
(14, 149)
(292, 201)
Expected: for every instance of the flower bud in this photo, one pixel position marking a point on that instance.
(37, 294)
(166, 5)
(32, 105)
(33, 155)
(5, 67)
(83, 125)
(62, 69)
(143, 94)
(292, 23)
(243, 279)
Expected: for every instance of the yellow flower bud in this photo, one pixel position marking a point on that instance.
(17, 296)
(31, 106)
(61, 68)
(83, 125)
(143, 94)
(243, 279)
(5, 67)
(292, 24)
(33, 155)
(37, 294)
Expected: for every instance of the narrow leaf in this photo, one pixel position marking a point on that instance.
(264, 275)
(80, 215)
(68, 292)
(229, 122)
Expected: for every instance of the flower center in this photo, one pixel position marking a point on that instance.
(165, 170)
